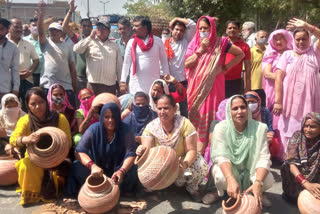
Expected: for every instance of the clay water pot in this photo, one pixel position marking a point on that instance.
(158, 167)
(8, 172)
(52, 148)
(98, 194)
(244, 204)
(105, 98)
(307, 203)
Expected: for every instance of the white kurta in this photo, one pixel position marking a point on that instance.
(150, 65)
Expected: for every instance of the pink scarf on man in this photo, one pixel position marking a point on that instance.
(144, 47)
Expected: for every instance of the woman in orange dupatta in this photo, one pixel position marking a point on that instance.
(205, 74)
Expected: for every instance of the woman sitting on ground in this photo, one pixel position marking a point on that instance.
(301, 167)
(160, 87)
(9, 115)
(107, 147)
(177, 132)
(58, 101)
(259, 113)
(36, 183)
(141, 114)
(85, 115)
(240, 154)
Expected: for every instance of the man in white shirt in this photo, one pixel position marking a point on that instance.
(183, 31)
(103, 58)
(9, 62)
(248, 33)
(28, 54)
(145, 59)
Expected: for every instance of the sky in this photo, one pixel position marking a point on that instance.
(96, 8)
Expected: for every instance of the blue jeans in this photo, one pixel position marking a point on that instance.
(70, 94)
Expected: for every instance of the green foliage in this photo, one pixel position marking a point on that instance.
(153, 9)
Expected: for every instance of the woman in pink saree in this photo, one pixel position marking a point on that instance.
(297, 83)
(205, 74)
(279, 41)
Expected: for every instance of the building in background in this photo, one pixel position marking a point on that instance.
(26, 11)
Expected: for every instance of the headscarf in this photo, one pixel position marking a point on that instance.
(241, 148)
(257, 114)
(296, 49)
(298, 89)
(271, 56)
(108, 155)
(85, 105)
(67, 108)
(271, 52)
(65, 102)
(10, 116)
(202, 76)
(140, 116)
(51, 117)
(221, 113)
(301, 151)
(126, 101)
(196, 41)
(165, 88)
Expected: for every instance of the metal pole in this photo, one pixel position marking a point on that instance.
(88, 10)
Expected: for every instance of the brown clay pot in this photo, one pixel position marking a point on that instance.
(307, 203)
(244, 204)
(105, 98)
(158, 167)
(98, 194)
(52, 148)
(8, 172)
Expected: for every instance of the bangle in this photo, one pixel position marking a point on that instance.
(228, 176)
(21, 140)
(277, 102)
(186, 163)
(123, 170)
(90, 164)
(260, 182)
(313, 28)
(304, 181)
(300, 178)
(198, 53)
(70, 12)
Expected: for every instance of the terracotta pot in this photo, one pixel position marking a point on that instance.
(105, 98)
(8, 172)
(158, 167)
(98, 194)
(52, 148)
(244, 204)
(307, 203)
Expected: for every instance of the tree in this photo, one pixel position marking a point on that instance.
(159, 10)
(267, 14)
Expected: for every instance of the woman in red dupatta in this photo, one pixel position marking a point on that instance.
(205, 74)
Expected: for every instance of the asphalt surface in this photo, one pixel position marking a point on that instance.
(173, 200)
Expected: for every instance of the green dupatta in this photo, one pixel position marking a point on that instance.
(241, 148)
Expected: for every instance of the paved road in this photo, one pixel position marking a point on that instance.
(172, 200)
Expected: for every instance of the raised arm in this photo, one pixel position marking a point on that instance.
(65, 25)
(41, 30)
(298, 23)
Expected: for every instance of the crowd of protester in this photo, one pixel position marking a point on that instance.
(222, 103)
